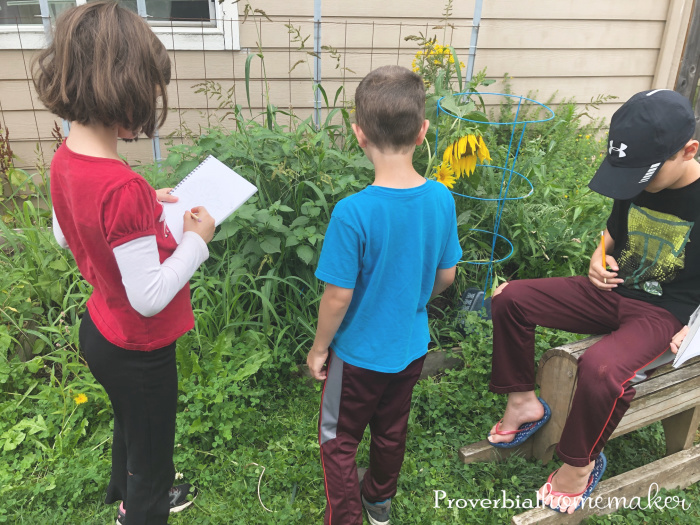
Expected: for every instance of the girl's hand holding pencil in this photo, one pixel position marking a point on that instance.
(602, 270)
(199, 221)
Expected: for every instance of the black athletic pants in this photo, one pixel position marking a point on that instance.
(142, 387)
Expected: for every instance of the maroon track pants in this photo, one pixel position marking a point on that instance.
(353, 398)
(637, 333)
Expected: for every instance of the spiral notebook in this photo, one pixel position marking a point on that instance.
(213, 185)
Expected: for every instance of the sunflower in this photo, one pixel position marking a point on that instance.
(462, 154)
(445, 175)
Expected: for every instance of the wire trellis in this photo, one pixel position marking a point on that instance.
(350, 49)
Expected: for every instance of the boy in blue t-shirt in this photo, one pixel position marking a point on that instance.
(388, 250)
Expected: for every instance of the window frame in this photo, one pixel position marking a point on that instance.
(190, 36)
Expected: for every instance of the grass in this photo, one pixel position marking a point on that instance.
(276, 428)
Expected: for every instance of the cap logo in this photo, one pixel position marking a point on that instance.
(652, 169)
(620, 150)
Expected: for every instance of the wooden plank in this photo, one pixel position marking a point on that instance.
(685, 375)
(27, 156)
(29, 125)
(18, 95)
(515, 62)
(677, 471)
(545, 9)
(687, 80)
(680, 430)
(557, 376)
(16, 64)
(686, 83)
(678, 20)
(580, 88)
(396, 9)
(484, 452)
(567, 63)
(541, 33)
(590, 10)
(639, 417)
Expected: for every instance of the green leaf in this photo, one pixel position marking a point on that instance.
(458, 69)
(302, 220)
(271, 244)
(247, 79)
(252, 365)
(451, 104)
(4, 368)
(577, 212)
(59, 264)
(5, 340)
(305, 253)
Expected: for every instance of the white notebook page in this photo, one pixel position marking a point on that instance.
(213, 185)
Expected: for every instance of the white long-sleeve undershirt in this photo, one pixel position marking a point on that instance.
(150, 285)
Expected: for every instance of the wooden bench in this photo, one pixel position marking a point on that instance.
(669, 395)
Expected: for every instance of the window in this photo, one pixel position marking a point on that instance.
(180, 24)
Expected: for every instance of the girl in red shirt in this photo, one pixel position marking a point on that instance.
(104, 72)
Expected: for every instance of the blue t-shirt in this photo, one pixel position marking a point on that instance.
(387, 244)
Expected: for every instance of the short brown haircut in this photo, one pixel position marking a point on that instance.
(104, 66)
(390, 107)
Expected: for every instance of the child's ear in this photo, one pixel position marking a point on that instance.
(423, 131)
(691, 149)
(361, 138)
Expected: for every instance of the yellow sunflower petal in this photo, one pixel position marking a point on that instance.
(472, 144)
(483, 151)
(471, 164)
(463, 143)
(447, 154)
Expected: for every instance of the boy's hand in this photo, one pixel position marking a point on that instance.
(678, 339)
(316, 360)
(163, 195)
(599, 276)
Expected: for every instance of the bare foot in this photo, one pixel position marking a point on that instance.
(567, 480)
(522, 407)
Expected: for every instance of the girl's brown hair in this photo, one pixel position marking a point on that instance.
(104, 66)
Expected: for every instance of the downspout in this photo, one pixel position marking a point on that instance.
(317, 63)
(476, 22)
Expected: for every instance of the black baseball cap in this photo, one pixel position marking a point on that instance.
(644, 133)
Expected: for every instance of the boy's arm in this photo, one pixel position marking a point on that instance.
(443, 279)
(331, 311)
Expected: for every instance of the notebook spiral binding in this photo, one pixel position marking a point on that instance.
(191, 173)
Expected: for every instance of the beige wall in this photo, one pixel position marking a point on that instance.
(576, 49)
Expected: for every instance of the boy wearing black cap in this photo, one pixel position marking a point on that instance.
(641, 303)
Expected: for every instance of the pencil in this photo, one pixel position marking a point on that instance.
(602, 243)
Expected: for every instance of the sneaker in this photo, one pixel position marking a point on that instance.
(178, 501)
(179, 497)
(377, 513)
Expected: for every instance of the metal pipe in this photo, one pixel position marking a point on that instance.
(317, 63)
(155, 141)
(476, 22)
(46, 18)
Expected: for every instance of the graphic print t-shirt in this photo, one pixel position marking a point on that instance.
(657, 247)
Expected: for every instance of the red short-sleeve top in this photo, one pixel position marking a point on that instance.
(101, 204)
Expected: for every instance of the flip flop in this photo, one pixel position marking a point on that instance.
(525, 431)
(601, 463)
